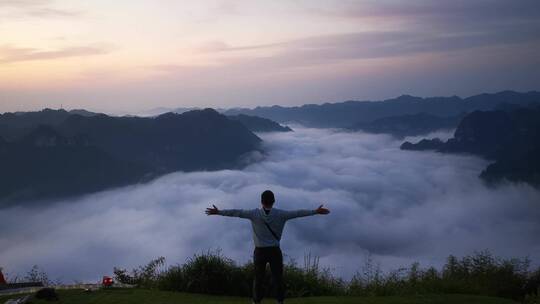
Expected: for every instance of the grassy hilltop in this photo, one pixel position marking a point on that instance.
(145, 296)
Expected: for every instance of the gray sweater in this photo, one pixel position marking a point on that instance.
(276, 219)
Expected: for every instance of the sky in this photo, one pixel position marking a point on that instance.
(132, 56)
(396, 206)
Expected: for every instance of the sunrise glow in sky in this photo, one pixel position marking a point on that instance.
(131, 56)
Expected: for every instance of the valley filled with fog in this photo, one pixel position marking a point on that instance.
(397, 206)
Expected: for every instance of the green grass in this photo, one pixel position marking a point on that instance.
(143, 296)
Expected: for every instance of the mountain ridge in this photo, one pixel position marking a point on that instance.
(347, 113)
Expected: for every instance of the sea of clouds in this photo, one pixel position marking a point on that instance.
(396, 206)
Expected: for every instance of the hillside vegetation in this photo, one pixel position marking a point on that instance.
(212, 273)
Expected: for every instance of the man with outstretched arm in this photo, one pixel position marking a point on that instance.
(267, 223)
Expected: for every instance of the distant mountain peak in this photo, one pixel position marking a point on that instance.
(167, 115)
(406, 96)
(49, 110)
(207, 112)
(259, 124)
(82, 112)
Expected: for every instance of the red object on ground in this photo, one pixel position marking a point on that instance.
(2, 279)
(107, 281)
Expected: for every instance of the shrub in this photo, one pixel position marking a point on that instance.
(37, 274)
(210, 273)
(145, 276)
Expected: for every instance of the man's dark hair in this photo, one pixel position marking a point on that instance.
(267, 198)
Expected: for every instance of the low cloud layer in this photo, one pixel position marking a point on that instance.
(400, 206)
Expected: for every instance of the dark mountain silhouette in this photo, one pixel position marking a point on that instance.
(511, 138)
(194, 140)
(259, 124)
(408, 125)
(88, 153)
(14, 125)
(346, 114)
(45, 164)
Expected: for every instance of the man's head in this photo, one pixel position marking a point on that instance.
(267, 199)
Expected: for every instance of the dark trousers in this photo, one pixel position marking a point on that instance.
(274, 257)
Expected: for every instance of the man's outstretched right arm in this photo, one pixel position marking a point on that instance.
(241, 213)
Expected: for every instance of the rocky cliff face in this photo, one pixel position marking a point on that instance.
(510, 138)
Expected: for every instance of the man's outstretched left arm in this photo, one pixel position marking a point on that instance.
(300, 213)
